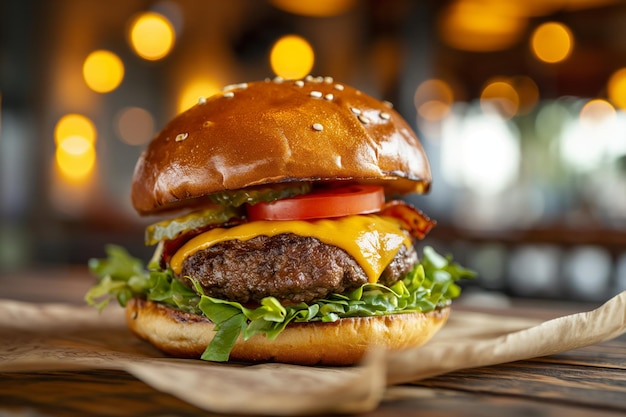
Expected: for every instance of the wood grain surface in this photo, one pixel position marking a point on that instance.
(585, 382)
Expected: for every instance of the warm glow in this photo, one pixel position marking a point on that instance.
(75, 157)
(433, 110)
(318, 8)
(74, 125)
(433, 99)
(292, 57)
(152, 36)
(75, 138)
(597, 112)
(552, 42)
(500, 95)
(487, 25)
(617, 88)
(103, 71)
(192, 92)
(527, 91)
(135, 126)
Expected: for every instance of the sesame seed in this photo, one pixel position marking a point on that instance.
(229, 94)
(202, 100)
(300, 83)
(316, 94)
(318, 127)
(364, 119)
(388, 104)
(318, 79)
(240, 86)
(278, 79)
(384, 115)
(328, 80)
(355, 110)
(329, 97)
(308, 78)
(208, 123)
(339, 87)
(181, 137)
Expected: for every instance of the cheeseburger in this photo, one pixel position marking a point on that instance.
(279, 238)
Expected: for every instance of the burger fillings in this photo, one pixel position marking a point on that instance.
(280, 239)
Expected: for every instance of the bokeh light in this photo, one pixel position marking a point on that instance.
(103, 71)
(481, 26)
(292, 57)
(134, 126)
(527, 91)
(74, 125)
(151, 36)
(616, 88)
(552, 42)
(433, 99)
(193, 90)
(75, 157)
(480, 151)
(594, 138)
(499, 94)
(317, 8)
(551, 118)
(596, 112)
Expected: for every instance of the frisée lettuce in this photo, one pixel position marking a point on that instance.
(431, 284)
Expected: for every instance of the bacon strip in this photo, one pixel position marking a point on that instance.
(413, 220)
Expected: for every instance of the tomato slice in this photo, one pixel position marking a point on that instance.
(335, 202)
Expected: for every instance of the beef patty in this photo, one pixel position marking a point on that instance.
(290, 267)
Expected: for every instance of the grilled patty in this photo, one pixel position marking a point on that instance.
(290, 267)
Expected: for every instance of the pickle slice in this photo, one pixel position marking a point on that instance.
(227, 206)
(264, 194)
(172, 228)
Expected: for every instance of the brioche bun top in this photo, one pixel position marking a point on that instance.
(278, 131)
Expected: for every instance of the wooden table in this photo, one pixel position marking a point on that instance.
(585, 382)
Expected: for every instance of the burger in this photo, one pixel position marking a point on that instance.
(282, 235)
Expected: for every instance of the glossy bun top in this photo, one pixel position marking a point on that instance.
(274, 132)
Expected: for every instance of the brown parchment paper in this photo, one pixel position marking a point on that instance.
(40, 337)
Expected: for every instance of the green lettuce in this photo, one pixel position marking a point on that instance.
(431, 284)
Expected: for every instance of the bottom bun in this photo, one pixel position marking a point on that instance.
(343, 342)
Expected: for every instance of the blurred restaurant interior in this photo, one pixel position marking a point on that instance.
(520, 105)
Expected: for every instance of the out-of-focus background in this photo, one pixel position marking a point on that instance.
(519, 103)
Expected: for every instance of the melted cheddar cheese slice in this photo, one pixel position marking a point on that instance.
(373, 241)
